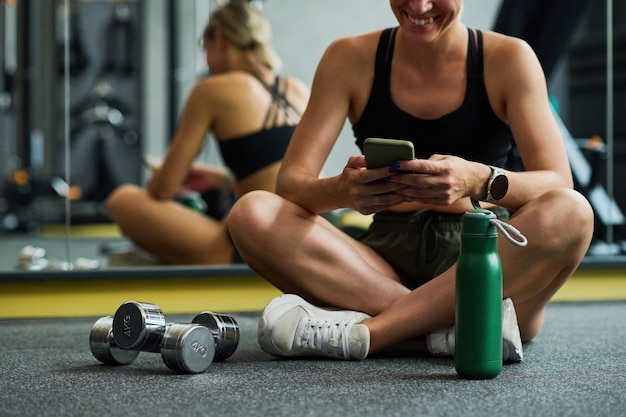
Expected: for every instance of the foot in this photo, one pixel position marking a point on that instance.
(442, 342)
(290, 326)
(511, 338)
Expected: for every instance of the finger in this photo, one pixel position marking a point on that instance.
(356, 162)
(382, 202)
(376, 174)
(418, 166)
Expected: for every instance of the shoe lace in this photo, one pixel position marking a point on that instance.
(327, 336)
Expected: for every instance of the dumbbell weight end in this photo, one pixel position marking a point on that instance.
(225, 331)
(187, 348)
(103, 346)
(139, 326)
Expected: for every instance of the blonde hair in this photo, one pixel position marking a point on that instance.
(247, 29)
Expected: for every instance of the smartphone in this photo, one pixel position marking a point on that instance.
(384, 152)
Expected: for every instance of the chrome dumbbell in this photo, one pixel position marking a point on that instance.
(103, 346)
(184, 348)
(141, 326)
(225, 331)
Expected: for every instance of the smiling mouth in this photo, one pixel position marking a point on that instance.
(420, 22)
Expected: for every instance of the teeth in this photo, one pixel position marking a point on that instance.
(421, 22)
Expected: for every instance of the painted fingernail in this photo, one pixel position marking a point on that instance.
(396, 165)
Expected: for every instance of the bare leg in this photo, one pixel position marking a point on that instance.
(325, 266)
(328, 268)
(558, 226)
(173, 233)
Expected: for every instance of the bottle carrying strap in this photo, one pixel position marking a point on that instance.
(510, 233)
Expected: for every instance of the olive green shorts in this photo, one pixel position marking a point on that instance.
(418, 245)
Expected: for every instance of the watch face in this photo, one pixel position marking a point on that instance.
(499, 187)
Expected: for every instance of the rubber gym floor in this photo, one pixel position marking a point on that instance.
(575, 367)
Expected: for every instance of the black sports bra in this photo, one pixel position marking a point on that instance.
(472, 131)
(244, 155)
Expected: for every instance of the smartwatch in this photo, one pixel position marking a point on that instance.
(497, 186)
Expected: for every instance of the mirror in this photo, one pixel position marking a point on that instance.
(594, 72)
(90, 87)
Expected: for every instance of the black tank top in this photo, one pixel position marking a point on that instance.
(472, 131)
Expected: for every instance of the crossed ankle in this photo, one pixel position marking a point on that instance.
(442, 342)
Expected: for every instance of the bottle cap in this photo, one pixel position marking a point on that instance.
(477, 223)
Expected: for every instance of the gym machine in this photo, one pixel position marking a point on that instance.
(104, 72)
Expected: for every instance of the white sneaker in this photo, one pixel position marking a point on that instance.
(290, 326)
(442, 342)
(511, 339)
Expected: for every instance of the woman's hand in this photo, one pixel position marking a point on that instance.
(369, 190)
(441, 180)
(203, 178)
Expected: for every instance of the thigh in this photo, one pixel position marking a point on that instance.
(303, 253)
(168, 229)
(342, 248)
(364, 251)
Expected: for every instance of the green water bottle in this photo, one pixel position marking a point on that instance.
(478, 299)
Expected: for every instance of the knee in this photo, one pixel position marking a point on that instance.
(565, 219)
(122, 197)
(253, 211)
(573, 213)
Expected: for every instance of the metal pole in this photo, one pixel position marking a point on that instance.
(66, 129)
(609, 114)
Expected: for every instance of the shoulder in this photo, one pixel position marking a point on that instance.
(507, 52)
(512, 72)
(226, 80)
(353, 49)
(510, 61)
(227, 86)
(348, 63)
(296, 84)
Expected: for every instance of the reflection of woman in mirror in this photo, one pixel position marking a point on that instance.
(250, 110)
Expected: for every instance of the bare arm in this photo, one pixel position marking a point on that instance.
(341, 75)
(527, 110)
(313, 139)
(195, 123)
